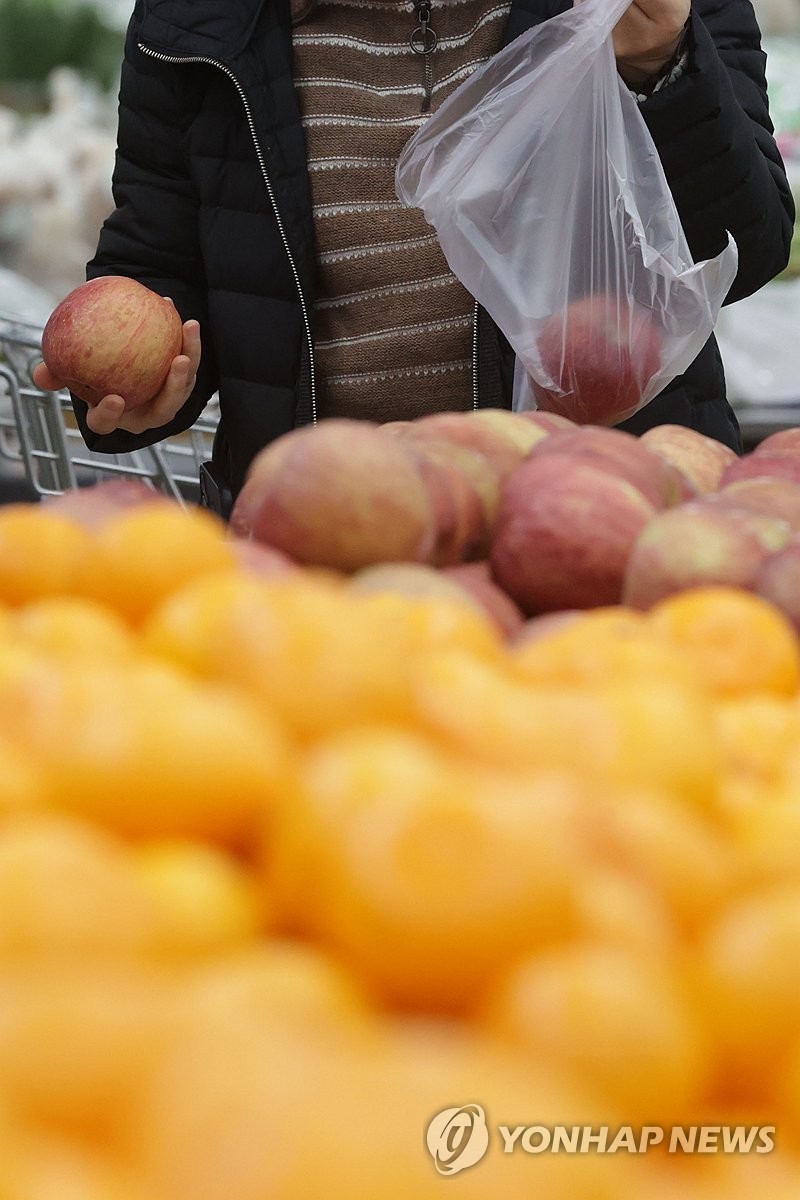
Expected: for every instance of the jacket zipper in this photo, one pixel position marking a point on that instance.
(212, 62)
(423, 41)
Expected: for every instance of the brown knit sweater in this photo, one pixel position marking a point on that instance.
(392, 325)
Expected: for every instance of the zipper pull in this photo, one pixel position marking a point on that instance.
(423, 41)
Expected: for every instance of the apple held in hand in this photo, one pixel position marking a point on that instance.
(113, 336)
(600, 354)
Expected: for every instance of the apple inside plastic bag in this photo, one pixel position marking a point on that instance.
(551, 206)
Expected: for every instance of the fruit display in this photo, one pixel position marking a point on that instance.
(112, 336)
(556, 516)
(388, 876)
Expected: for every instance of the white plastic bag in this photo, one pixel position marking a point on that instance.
(551, 206)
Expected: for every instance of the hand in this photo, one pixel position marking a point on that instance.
(647, 36)
(110, 415)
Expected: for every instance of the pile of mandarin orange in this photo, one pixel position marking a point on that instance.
(285, 870)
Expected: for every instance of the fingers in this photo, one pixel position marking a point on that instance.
(44, 378)
(191, 345)
(105, 417)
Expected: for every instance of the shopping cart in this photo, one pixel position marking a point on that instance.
(40, 439)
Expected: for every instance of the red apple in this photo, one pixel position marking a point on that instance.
(114, 336)
(549, 421)
(782, 441)
(565, 528)
(542, 626)
(763, 465)
(770, 497)
(600, 354)
(476, 579)
(264, 561)
(469, 430)
(92, 506)
(702, 460)
(778, 580)
(411, 579)
(624, 455)
(458, 511)
(482, 476)
(698, 544)
(524, 434)
(340, 494)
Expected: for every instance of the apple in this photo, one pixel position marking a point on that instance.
(763, 465)
(697, 544)
(264, 561)
(565, 527)
(114, 336)
(770, 497)
(549, 421)
(458, 510)
(95, 504)
(524, 434)
(416, 580)
(339, 494)
(476, 579)
(778, 580)
(623, 454)
(701, 459)
(535, 629)
(600, 354)
(482, 476)
(782, 441)
(467, 430)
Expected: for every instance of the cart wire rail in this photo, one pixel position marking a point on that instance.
(39, 435)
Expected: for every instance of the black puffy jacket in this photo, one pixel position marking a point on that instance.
(213, 205)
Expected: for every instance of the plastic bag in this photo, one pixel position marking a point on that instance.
(551, 206)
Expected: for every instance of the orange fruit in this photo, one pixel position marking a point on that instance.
(290, 1114)
(676, 854)
(616, 1020)
(599, 647)
(738, 642)
(773, 1173)
(143, 554)
(22, 787)
(76, 1038)
(757, 734)
(288, 640)
(654, 734)
(142, 749)
(767, 839)
(41, 553)
(748, 982)
(205, 901)
(428, 876)
(67, 626)
(47, 1167)
(278, 979)
(69, 889)
(621, 909)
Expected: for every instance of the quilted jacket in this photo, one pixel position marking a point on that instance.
(213, 206)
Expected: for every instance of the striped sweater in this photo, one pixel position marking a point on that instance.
(392, 325)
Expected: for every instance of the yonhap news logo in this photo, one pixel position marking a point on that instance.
(458, 1138)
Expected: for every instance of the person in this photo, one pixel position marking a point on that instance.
(254, 186)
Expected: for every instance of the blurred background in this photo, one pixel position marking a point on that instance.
(59, 73)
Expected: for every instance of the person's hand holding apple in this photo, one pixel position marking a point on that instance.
(124, 350)
(647, 36)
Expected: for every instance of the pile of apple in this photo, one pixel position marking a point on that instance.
(529, 513)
